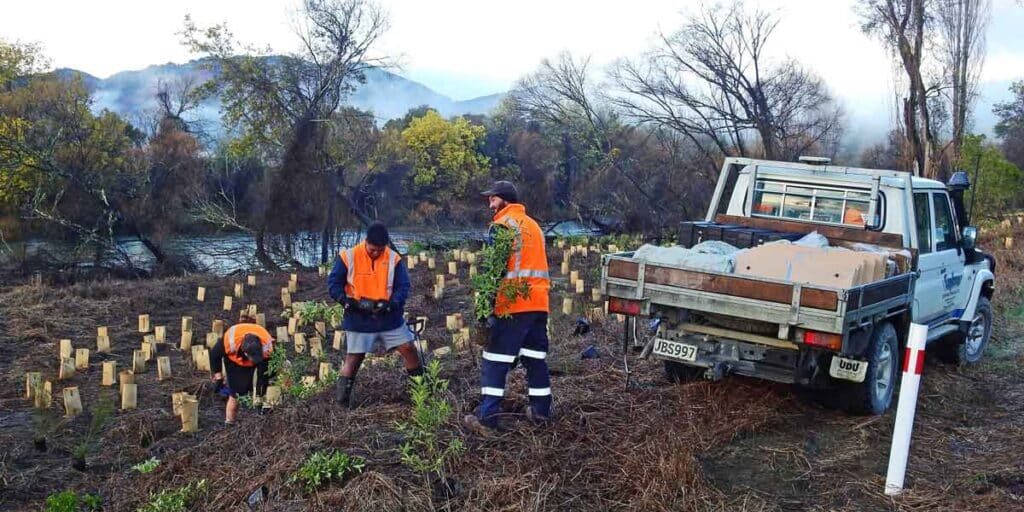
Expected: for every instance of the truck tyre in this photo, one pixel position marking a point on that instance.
(874, 395)
(679, 372)
(967, 348)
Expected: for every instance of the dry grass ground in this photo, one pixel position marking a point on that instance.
(739, 444)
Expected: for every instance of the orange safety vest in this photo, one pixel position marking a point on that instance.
(528, 261)
(367, 278)
(233, 342)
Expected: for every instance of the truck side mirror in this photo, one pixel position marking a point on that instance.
(969, 238)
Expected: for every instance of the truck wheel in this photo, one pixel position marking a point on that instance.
(967, 348)
(874, 395)
(679, 372)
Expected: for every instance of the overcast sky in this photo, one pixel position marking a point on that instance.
(468, 48)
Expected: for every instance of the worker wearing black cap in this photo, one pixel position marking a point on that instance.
(242, 356)
(518, 328)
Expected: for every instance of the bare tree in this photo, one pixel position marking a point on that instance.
(900, 24)
(713, 83)
(561, 95)
(283, 103)
(962, 25)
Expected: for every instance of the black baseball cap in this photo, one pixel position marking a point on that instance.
(503, 189)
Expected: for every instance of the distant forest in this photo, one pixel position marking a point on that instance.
(636, 148)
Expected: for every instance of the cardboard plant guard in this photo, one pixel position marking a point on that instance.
(143, 323)
(129, 396)
(211, 339)
(138, 361)
(227, 303)
(66, 350)
(186, 324)
(82, 359)
(202, 359)
(272, 397)
(189, 415)
(109, 373)
(339, 340)
(160, 333)
(300, 342)
(201, 294)
(186, 341)
(282, 334)
(72, 402)
(163, 367)
(43, 396)
(67, 368)
(218, 327)
(103, 344)
(125, 377)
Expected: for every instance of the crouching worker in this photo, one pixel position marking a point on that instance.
(243, 356)
(372, 282)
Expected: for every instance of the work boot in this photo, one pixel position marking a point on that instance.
(343, 391)
(536, 418)
(472, 423)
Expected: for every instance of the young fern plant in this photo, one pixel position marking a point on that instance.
(490, 283)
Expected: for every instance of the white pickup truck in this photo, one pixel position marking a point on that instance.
(844, 345)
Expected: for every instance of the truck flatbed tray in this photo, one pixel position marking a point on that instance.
(768, 300)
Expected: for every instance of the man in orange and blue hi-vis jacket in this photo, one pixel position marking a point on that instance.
(518, 329)
(372, 282)
(241, 358)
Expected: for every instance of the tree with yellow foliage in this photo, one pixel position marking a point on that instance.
(443, 156)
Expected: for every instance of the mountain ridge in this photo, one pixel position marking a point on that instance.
(132, 93)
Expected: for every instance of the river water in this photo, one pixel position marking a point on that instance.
(226, 253)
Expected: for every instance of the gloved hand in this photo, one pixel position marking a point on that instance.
(349, 303)
(488, 322)
(366, 305)
(380, 307)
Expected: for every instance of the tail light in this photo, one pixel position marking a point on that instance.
(624, 306)
(824, 340)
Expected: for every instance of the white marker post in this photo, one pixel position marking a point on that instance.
(913, 363)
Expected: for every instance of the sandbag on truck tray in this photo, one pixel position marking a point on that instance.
(711, 255)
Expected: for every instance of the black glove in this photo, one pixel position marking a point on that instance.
(488, 322)
(349, 303)
(366, 305)
(381, 307)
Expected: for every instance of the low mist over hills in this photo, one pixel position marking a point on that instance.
(131, 94)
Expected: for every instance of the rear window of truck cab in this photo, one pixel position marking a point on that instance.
(811, 203)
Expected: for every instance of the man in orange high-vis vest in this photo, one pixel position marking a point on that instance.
(518, 330)
(241, 357)
(372, 282)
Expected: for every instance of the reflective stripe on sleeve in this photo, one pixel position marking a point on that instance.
(539, 392)
(542, 274)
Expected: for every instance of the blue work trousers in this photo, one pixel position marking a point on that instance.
(522, 337)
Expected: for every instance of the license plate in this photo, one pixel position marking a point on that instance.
(848, 369)
(675, 350)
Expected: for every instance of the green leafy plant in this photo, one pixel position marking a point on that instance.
(176, 500)
(147, 466)
(312, 312)
(288, 375)
(323, 467)
(427, 448)
(70, 501)
(490, 281)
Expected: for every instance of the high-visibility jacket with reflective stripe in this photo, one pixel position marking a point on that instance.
(233, 342)
(528, 261)
(368, 278)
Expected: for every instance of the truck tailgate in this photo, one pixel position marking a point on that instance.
(784, 303)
